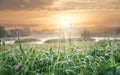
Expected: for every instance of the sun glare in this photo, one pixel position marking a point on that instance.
(65, 20)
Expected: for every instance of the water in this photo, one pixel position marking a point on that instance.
(105, 38)
(42, 41)
(10, 42)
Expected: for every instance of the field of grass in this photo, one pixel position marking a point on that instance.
(85, 58)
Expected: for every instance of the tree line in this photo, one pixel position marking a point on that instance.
(14, 32)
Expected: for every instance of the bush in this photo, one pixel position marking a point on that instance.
(26, 40)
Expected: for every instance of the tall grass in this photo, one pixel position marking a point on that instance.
(102, 58)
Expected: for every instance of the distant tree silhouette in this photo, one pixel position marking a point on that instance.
(3, 32)
(18, 31)
(85, 35)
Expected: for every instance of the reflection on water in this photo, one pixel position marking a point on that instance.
(9, 42)
(43, 40)
(105, 38)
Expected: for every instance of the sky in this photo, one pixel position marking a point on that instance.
(47, 13)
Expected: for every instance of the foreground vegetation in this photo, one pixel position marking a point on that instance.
(101, 58)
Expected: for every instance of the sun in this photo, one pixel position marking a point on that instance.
(65, 20)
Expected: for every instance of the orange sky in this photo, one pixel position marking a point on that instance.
(44, 12)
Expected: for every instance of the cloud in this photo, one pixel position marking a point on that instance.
(60, 4)
(88, 4)
(24, 4)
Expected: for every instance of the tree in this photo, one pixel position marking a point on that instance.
(3, 32)
(85, 35)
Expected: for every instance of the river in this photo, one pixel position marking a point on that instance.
(42, 40)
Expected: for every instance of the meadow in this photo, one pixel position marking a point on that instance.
(82, 58)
